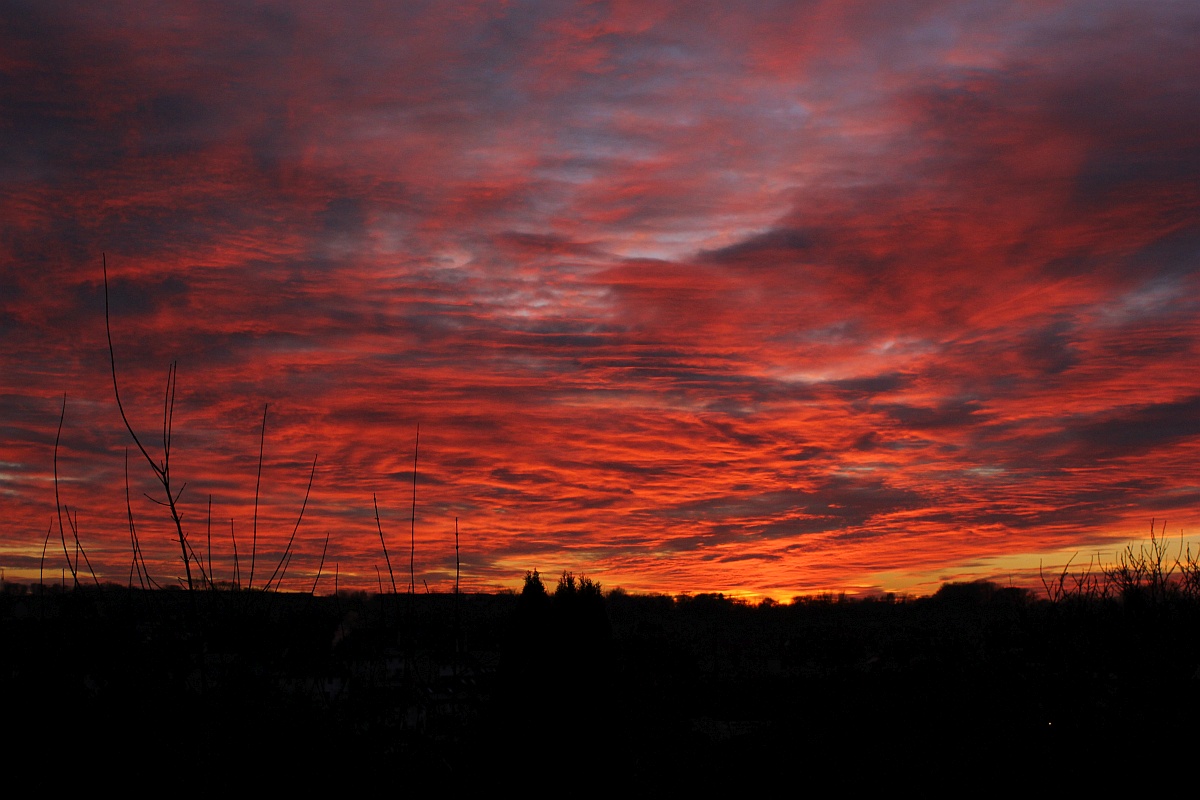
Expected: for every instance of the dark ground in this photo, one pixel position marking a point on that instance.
(581, 689)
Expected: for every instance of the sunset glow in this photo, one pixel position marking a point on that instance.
(767, 300)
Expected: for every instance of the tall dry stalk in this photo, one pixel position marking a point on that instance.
(379, 527)
(237, 564)
(262, 436)
(139, 559)
(79, 548)
(412, 530)
(286, 558)
(321, 565)
(58, 502)
(208, 540)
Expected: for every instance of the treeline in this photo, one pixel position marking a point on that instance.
(566, 678)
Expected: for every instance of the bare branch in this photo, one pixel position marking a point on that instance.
(58, 503)
(287, 550)
(74, 523)
(237, 565)
(162, 470)
(257, 483)
(384, 544)
(208, 539)
(321, 565)
(412, 531)
(112, 360)
(133, 537)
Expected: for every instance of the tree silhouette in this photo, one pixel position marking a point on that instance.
(533, 587)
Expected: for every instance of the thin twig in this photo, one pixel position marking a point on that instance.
(133, 543)
(208, 536)
(321, 565)
(74, 523)
(237, 565)
(162, 469)
(262, 436)
(287, 550)
(204, 579)
(412, 530)
(112, 360)
(139, 558)
(58, 503)
(384, 544)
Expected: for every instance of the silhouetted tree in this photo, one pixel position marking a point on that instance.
(533, 592)
(530, 622)
(966, 593)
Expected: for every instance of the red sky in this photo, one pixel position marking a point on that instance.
(767, 299)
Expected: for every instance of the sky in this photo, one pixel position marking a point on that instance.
(763, 298)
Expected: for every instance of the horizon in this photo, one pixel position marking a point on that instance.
(773, 302)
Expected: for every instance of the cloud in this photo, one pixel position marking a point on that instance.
(685, 298)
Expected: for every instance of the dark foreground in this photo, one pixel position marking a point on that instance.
(587, 690)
